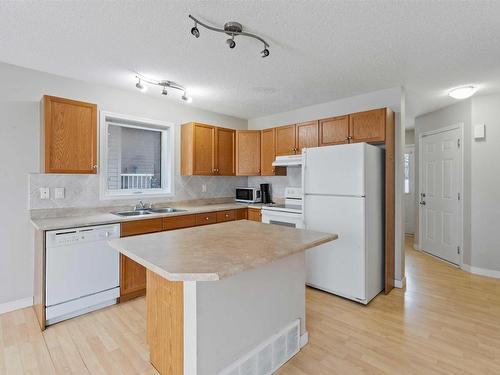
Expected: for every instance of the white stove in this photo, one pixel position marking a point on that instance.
(289, 214)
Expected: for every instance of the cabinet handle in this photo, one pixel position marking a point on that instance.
(94, 166)
(206, 218)
(227, 215)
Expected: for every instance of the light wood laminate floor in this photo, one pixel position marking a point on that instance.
(445, 322)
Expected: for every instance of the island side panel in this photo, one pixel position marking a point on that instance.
(165, 324)
(39, 278)
(236, 314)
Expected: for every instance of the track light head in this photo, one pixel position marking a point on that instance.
(164, 91)
(264, 52)
(231, 43)
(140, 86)
(195, 32)
(186, 98)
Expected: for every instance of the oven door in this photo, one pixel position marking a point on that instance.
(286, 219)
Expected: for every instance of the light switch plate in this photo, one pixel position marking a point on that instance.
(44, 193)
(203, 188)
(59, 193)
(479, 131)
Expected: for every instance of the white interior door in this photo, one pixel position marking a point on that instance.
(440, 194)
(409, 189)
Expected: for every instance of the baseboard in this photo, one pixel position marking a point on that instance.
(400, 283)
(16, 305)
(481, 271)
(416, 246)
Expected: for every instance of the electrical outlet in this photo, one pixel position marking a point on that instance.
(203, 188)
(44, 193)
(59, 193)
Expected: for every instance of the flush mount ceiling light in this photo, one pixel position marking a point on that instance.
(232, 29)
(164, 85)
(463, 92)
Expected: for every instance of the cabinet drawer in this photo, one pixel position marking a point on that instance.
(254, 214)
(206, 218)
(133, 228)
(177, 222)
(241, 213)
(228, 215)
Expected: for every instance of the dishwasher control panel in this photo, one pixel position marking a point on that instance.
(71, 236)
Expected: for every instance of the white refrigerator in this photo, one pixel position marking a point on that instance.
(343, 193)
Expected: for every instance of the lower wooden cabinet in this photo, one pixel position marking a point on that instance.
(254, 214)
(132, 279)
(178, 222)
(229, 215)
(206, 218)
(241, 213)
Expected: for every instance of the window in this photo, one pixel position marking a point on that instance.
(408, 172)
(136, 157)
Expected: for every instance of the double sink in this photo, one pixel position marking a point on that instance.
(148, 211)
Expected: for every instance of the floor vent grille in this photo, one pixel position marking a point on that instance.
(269, 356)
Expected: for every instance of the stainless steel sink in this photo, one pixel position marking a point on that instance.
(166, 210)
(148, 211)
(133, 213)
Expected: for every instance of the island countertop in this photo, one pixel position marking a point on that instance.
(214, 252)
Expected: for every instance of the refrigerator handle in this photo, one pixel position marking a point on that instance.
(303, 171)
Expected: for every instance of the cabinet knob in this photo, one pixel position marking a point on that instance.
(94, 166)
(227, 215)
(206, 218)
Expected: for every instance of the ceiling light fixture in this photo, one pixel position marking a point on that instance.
(164, 85)
(463, 92)
(232, 29)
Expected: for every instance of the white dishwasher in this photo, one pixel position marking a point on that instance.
(81, 271)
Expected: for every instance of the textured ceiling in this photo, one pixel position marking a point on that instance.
(320, 50)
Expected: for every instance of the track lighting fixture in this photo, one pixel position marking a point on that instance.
(164, 85)
(232, 29)
(140, 86)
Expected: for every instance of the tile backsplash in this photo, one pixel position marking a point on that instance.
(279, 183)
(83, 190)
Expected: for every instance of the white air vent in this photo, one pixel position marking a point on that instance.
(269, 356)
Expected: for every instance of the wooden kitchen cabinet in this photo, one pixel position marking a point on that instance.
(368, 126)
(307, 135)
(248, 153)
(286, 140)
(207, 150)
(178, 222)
(132, 274)
(225, 152)
(241, 214)
(228, 215)
(268, 154)
(255, 214)
(334, 131)
(206, 218)
(70, 136)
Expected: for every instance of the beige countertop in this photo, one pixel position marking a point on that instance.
(214, 252)
(98, 218)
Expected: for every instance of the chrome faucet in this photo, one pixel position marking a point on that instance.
(142, 206)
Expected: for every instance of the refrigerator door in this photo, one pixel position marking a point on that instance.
(335, 170)
(337, 267)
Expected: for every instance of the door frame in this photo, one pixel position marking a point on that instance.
(421, 136)
(413, 173)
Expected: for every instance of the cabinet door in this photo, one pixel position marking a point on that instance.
(70, 131)
(241, 214)
(132, 279)
(367, 126)
(203, 149)
(254, 214)
(334, 131)
(224, 152)
(307, 135)
(206, 218)
(248, 153)
(228, 215)
(268, 154)
(285, 140)
(178, 222)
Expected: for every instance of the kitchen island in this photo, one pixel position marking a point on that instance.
(224, 297)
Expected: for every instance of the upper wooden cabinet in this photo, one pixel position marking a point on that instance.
(368, 126)
(307, 135)
(248, 152)
(268, 154)
(70, 136)
(286, 140)
(225, 151)
(334, 131)
(207, 150)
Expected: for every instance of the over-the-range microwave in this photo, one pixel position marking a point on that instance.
(247, 195)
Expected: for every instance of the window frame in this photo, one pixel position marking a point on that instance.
(409, 149)
(167, 157)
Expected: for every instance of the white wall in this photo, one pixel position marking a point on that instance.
(410, 137)
(392, 98)
(485, 183)
(20, 94)
(451, 115)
